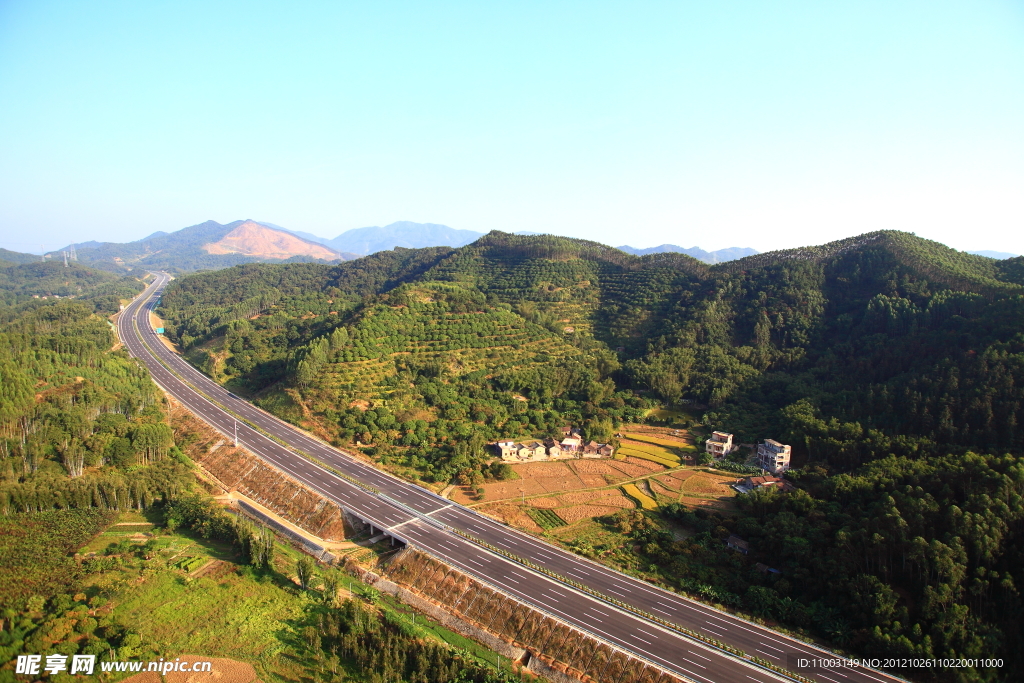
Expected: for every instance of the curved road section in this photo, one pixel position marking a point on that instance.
(421, 518)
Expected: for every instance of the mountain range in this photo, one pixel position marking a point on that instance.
(206, 246)
(405, 234)
(211, 245)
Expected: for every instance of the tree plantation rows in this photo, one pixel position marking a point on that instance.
(447, 372)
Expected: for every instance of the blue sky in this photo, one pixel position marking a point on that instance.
(764, 124)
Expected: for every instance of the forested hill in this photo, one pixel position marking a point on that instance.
(892, 364)
(37, 280)
(14, 257)
(79, 422)
(851, 350)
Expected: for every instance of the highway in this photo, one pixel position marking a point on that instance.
(425, 520)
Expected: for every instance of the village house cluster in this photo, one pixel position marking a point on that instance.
(772, 456)
(572, 445)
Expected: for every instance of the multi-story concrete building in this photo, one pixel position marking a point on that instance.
(773, 456)
(719, 445)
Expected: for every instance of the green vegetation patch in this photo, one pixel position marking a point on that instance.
(546, 519)
(36, 549)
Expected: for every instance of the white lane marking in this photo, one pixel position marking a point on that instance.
(773, 648)
(695, 663)
(768, 653)
(636, 637)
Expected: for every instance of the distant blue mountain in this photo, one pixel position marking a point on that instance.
(401, 234)
(720, 256)
(999, 255)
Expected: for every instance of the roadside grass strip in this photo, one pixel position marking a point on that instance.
(645, 501)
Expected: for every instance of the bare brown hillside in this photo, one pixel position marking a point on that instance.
(252, 239)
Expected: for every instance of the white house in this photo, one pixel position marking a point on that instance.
(719, 445)
(773, 456)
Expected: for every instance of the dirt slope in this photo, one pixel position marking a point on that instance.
(252, 239)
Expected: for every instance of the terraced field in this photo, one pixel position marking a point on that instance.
(430, 333)
(645, 501)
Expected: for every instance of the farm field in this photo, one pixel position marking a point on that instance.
(634, 492)
(580, 490)
(657, 439)
(706, 483)
(653, 454)
(574, 490)
(539, 478)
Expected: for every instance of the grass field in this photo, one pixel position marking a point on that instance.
(645, 501)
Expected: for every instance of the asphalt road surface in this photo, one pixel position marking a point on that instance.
(419, 517)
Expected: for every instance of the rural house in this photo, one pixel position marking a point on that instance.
(719, 445)
(736, 543)
(773, 456)
(571, 445)
(532, 450)
(748, 484)
(554, 448)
